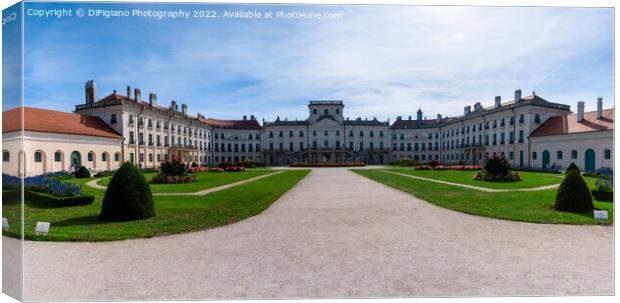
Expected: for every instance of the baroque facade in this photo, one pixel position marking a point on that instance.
(147, 133)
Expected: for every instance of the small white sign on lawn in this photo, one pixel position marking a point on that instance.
(42, 228)
(5, 223)
(601, 215)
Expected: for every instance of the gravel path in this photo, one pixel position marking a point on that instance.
(480, 188)
(336, 234)
(203, 192)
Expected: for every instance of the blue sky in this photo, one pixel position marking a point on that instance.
(383, 61)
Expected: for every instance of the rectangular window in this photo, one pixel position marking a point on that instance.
(607, 154)
(521, 136)
(534, 155)
(113, 119)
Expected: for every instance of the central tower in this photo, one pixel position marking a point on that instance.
(326, 108)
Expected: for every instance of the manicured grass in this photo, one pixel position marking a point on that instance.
(533, 206)
(174, 214)
(205, 180)
(530, 179)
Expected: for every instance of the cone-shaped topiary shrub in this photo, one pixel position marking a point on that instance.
(573, 195)
(128, 196)
(571, 167)
(82, 172)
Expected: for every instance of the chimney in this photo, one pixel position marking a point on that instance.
(498, 101)
(518, 95)
(580, 109)
(399, 117)
(419, 114)
(599, 108)
(90, 89)
(153, 100)
(184, 109)
(128, 92)
(467, 110)
(245, 117)
(252, 117)
(439, 117)
(137, 95)
(409, 117)
(173, 105)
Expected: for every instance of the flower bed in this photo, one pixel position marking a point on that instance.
(335, 164)
(235, 168)
(42, 184)
(215, 170)
(174, 172)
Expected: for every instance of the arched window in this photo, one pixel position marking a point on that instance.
(325, 133)
(6, 156)
(57, 156)
(250, 137)
(117, 156)
(281, 134)
(104, 157)
(350, 133)
(361, 133)
(91, 156)
(270, 134)
(38, 156)
(290, 133)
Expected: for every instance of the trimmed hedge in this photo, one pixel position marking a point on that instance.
(574, 195)
(603, 195)
(572, 167)
(128, 196)
(82, 173)
(48, 200)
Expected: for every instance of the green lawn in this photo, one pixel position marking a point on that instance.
(534, 206)
(530, 179)
(175, 214)
(205, 180)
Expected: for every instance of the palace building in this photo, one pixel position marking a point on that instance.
(529, 131)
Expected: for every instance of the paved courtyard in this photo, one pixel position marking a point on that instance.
(335, 234)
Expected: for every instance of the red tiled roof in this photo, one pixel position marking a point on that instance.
(568, 124)
(50, 121)
(239, 124)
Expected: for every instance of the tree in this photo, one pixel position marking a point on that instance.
(573, 194)
(571, 167)
(128, 196)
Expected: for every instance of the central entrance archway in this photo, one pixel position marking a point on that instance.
(590, 164)
(76, 159)
(545, 159)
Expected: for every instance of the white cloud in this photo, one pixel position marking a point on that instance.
(382, 61)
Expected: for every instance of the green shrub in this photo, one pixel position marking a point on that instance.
(48, 200)
(173, 168)
(82, 172)
(573, 195)
(128, 196)
(572, 167)
(495, 165)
